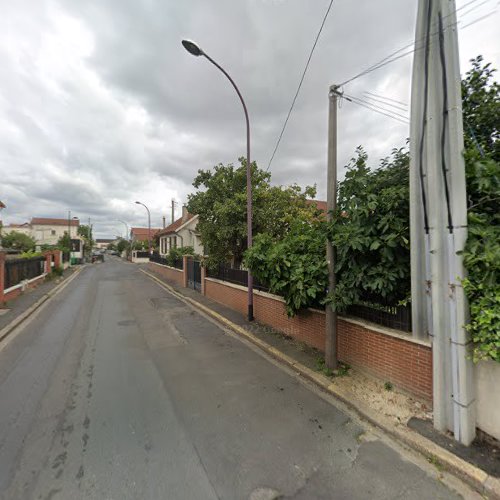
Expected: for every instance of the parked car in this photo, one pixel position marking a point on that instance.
(97, 257)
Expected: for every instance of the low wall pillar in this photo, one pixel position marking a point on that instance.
(57, 258)
(203, 276)
(48, 261)
(2, 275)
(185, 271)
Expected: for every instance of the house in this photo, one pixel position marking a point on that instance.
(45, 231)
(141, 234)
(102, 243)
(181, 233)
(18, 228)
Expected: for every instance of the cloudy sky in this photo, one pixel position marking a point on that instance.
(101, 106)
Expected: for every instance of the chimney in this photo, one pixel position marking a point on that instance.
(184, 213)
(163, 222)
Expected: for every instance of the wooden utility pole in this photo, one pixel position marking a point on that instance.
(331, 204)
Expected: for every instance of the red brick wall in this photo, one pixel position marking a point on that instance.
(16, 292)
(402, 362)
(168, 273)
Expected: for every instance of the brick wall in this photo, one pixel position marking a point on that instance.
(168, 273)
(18, 290)
(389, 355)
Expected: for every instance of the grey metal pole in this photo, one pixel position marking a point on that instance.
(193, 49)
(149, 223)
(249, 185)
(438, 185)
(69, 236)
(331, 204)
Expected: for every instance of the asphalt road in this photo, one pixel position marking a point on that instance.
(118, 390)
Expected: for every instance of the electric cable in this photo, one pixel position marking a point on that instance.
(444, 78)
(387, 98)
(424, 118)
(300, 84)
(394, 57)
(378, 107)
(359, 102)
(380, 101)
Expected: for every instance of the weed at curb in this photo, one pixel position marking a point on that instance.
(436, 462)
(342, 370)
(388, 386)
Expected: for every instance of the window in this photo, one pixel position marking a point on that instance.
(53, 232)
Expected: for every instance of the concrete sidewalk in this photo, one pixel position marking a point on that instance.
(303, 359)
(13, 309)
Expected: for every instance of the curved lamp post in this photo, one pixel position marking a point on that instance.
(193, 49)
(127, 233)
(149, 223)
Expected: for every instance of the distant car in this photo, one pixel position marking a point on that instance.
(97, 257)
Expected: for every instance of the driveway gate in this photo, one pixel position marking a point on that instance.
(194, 274)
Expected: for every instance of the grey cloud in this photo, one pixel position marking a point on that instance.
(100, 104)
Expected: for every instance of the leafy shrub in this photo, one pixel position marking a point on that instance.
(57, 271)
(293, 267)
(177, 254)
(30, 254)
(482, 260)
(370, 232)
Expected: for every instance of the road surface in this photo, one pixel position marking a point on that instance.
(118, 390)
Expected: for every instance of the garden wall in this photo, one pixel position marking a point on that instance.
(387, 354)
(167, 272)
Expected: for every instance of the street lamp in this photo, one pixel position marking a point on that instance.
(149, 223)
(127, 233)
(2, 206)
(193, 49)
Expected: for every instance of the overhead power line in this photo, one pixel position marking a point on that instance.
(390, 114)
(300, 84)
(386, 98)
(379, 101)
(421, 43)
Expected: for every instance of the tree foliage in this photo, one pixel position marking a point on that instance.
(370, 232)
(122, 245)
(176, 254)
(293, 266)
(481, 105)
(221, 204)
(85, 232)
(18, 241)
(481, 111)
(64, 242)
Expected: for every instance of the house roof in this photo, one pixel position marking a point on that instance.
(175, 225)
(320, 204)
(142, 233)
(104, 240)
(25, 224)
(44, 221)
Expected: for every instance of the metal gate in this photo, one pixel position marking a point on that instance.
(194, 274)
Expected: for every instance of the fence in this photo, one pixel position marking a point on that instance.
(235, 276)
(18, 270)
(397, 317)
(156, 257)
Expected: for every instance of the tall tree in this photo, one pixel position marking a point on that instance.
(481, 111)
(221, 204)
(18, 241)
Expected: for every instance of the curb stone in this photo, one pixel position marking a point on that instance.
(6, 330)
(482, 482)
